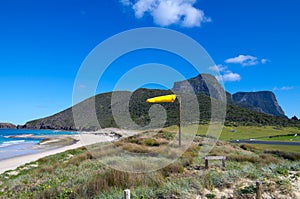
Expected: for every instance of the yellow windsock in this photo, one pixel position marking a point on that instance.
(165, 98)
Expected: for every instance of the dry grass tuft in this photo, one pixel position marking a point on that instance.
(112, 179)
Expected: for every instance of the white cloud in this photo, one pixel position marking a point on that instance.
(244, 60)
(218, 68)
(284, 88)
(126, 2)
(231, 77)
(264, 61)
(225, 74)
(169, 12)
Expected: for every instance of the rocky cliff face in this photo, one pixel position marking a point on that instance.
(7, 126)
(263, 101)
(202, 84)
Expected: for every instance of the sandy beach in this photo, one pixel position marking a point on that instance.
(82, 139)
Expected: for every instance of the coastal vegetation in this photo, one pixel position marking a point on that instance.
(78, 174)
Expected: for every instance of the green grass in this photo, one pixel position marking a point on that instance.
(284, 138)
(270, 147)
(247, 132)
(241, 132)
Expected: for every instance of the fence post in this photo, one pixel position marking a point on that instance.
(206, 164)
(258, 190)
(127, 194)
(223, 162)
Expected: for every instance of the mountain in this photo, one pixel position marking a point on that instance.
(263, 101)
(253, 108)
(7, 126)
(139, 112)
(201, 84)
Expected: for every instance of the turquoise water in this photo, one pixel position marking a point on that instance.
(12, 147)
(6, 133)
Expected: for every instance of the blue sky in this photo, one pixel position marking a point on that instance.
(254, 43)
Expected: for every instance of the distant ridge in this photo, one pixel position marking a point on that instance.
(201, 84)
(262, 101)
(259, 108)
(7, 126)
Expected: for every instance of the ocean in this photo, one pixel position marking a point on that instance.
(12, 147)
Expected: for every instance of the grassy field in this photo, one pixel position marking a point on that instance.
(285, 138)
(78, 174)
(270, 147)
(268, 133)
(244, 132)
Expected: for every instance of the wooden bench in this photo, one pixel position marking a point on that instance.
(223, 158)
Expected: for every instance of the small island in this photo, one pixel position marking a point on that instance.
(5, 125)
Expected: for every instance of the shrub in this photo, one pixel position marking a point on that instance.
(76, 160)
(175, 167)
(244, 158)
(248, 147)
(210, 196)
(151, 142)
(208, 181)
(282, 171)
(47, 169)
(268, 158)
(134, 148)
(189, 155)
(168, 135)
(248, 190)
(286, 155)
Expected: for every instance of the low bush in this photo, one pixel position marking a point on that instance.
(134, 148)
(168, 135)
(243, 158)
(210, 196)
(251, 189)
(174, 168)
(286, 155)
(151, 142)
(268, 158)
(78, 159)
(249, 147)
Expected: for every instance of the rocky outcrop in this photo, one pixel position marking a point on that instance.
(263, 102)
(7, 126)
(202, 84)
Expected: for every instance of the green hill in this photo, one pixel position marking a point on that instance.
(139, 109)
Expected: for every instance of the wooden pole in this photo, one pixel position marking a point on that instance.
(127, 194)
(258, 190)
(206, 163)
(179, 124)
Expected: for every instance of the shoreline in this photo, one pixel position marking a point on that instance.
(49, 147)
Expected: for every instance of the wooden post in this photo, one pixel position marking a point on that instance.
(179, 124)
(258, 190)
(127, 194)
(206, 163)
(223, 162)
